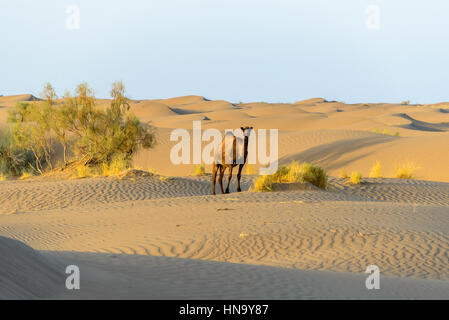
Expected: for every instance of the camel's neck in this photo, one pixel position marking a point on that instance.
(245, 148)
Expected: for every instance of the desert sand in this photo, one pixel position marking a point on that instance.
(164, 235)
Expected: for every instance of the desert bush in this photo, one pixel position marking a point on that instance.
(294, 172)
(29, 126)
(106, 134)
(13, 160)
(406, 170)
(355, 178)
(199, 170)
(301, 172)
(376, 171)
(314, 175)
(95, 136)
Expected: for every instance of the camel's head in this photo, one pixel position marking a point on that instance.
(246, 131)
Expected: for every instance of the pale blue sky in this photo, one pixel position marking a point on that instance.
(253, 50)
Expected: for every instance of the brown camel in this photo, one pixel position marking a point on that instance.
(234, 152)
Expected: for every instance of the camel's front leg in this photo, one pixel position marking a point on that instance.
(229, 179)
(214, 176)
(239, 175)
(220, 178)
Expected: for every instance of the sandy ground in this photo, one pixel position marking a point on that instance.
(152, 237)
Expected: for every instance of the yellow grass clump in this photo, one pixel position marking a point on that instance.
(355, 178)
(342, 173)
(152, 170)
(406, 170)
(294, 172)
(250, 170)
(3, 177)
(82, 171)
(165, 178)
(199, 170)
(26, 175)
(263, 184)
(376, 171)
(114, 168)
(386, 132)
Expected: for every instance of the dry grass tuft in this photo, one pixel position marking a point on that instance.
(385, 132)
(250, 170)
(82, 171)
(355, 178)
(25, 175)
(342, 174)
(406, 170)
(376, 171)
(199, 170)
(294, 172)
(114, 168)
(263, 184)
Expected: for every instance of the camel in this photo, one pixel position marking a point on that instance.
(234, 148)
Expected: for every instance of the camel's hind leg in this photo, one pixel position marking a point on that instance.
(229, 179)
(239, 175)
(220, 178)
(214, 176)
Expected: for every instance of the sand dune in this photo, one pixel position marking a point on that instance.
(27, 274)
(9, 100)
(165, 236)
(146, 110)
(112, 276)
(424, 126)
(179, 101)
(401, 226)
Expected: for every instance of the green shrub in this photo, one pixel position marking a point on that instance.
(95, 136)
(105, 134)
(13, 160)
